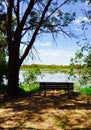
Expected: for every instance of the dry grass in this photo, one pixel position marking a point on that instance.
(53, 112)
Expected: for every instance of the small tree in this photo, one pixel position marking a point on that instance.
(30, 76)
(76, 66)
(80, 68)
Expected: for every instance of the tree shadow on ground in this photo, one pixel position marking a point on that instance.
(33, 111)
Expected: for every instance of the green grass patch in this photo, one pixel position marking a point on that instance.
(30, 88)
(86, 90)
(23, 88)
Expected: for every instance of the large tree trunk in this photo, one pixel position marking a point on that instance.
(13, 76)
(13, 80)
(13, 48)
(13, 84)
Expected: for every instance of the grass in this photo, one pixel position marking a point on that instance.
(83, 90)
(86, 90)
(29, 88)
(26, 88)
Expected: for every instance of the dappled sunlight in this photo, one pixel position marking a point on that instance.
(55, 111)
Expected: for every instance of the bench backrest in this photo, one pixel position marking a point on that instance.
(57, 85)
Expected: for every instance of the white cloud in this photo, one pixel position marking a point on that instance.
(43, 44)
(56, 56)
(49, 56)
(80, 19)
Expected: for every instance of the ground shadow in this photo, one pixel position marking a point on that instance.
(32, 107)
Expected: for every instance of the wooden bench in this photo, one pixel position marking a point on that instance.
(56, 86)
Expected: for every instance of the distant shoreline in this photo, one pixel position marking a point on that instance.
(48, 68)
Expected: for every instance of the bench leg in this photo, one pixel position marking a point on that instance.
(68, 94)
(44, 93)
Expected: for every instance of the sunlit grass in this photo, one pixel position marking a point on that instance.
(83, 90)
(29, 88)
(86, 90)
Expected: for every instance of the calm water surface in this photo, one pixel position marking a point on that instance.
(48, 77)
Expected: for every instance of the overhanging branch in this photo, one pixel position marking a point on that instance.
(22, 23)
(35, 32)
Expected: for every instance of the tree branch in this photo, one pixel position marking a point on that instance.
(9, 23)
(21, 24)
(36, 32)
(17, 13)
(57, 8)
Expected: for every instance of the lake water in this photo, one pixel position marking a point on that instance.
(48, 77)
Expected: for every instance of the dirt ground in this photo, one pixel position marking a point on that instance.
(53, 112)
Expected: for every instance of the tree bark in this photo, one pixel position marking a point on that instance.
(13, 86)
(13, 72)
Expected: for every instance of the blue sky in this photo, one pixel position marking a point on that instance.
(59, 53)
